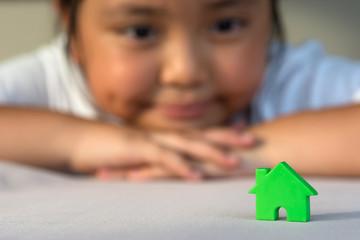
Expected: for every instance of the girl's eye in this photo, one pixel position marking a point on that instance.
(141, 33)
(229, 25)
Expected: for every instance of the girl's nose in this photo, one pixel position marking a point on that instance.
(185, 65)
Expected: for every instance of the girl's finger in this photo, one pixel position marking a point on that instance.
(211, 171)
(147, 153)
(197, 149)
(140, 174)
(171, 160)
(240, 125)
(110, 174)
(148, 174)
(137, 174)
(228, 137)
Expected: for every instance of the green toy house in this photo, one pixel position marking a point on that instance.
(282, 187)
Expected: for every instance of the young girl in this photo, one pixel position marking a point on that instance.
(144, 90)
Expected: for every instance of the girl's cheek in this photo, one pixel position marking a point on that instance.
(120, 84)
(240, 78)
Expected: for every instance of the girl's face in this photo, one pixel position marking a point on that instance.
(173, 64)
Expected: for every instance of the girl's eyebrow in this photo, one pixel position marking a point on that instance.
(228, 3)
(134, 9)
(137, 9)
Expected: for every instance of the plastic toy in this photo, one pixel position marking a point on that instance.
(282, 187)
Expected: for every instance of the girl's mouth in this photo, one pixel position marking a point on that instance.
(189, 110)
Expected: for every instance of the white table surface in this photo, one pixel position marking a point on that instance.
(39, 204)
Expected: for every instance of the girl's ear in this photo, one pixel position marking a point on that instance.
(63, 13)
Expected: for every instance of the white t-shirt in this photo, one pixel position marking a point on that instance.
(307, 78)
(48, 78)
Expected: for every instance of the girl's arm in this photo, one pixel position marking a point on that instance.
(323, 142)
(38, 137)
(62, 142)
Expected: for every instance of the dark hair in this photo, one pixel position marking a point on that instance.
(72, 6)
(278, 29)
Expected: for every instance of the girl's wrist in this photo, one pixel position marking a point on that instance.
(270, 149)
(71, 137)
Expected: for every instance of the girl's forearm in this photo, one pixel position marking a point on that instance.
(324, 142)
(37, 137)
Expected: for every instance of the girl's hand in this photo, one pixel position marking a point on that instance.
(102, 146)
(209, 151)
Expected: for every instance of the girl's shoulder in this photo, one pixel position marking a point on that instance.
(305, 77)
(25, 79)
(47, 78)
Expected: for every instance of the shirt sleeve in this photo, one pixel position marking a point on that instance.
(306, 78)
(22, 82)
(48, 79)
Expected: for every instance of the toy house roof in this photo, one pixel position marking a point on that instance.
(286, 175)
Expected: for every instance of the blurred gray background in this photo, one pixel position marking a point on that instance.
(27, 24)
